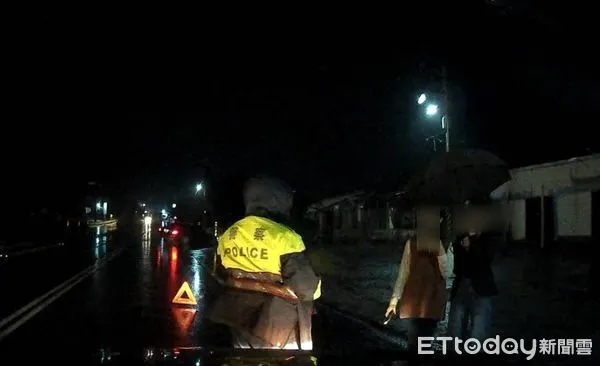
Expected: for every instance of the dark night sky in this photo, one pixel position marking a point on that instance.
(151, 103)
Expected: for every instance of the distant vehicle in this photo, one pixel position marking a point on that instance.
(163, 228)
(190, 235)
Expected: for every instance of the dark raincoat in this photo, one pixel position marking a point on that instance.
(262, 311)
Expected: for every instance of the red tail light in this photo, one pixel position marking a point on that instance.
(174, 232)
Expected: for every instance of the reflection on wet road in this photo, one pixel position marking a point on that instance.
(28, 275)
(101, 238)
(127, 304)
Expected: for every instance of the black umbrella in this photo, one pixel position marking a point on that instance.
(458, 176)
(421, 192)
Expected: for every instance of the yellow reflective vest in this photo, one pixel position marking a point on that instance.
(256, 244)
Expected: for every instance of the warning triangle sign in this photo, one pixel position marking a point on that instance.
(185, 296)
(184, 317)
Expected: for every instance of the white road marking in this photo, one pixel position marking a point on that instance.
(30, 310)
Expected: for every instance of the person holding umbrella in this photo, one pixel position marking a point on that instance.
(420, 291)
(451, 179)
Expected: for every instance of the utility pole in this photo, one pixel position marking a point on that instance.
(446, 109)
(449, 225)
(432, 109)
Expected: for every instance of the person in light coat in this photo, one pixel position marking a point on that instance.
(420, 295)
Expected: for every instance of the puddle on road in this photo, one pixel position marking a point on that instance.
(165, 268)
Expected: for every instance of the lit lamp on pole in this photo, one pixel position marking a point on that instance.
(200, 189)
(431, 110)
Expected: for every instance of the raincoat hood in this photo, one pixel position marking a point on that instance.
(268, 196)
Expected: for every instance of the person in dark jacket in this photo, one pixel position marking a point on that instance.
(270, 284)
(474, 284)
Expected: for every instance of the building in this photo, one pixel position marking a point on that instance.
(556, 201)
(361, 216)
(95, 203)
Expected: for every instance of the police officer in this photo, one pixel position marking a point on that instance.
(270, 284)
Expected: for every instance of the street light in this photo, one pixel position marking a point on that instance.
(431, 110)
(198, 187)
(174, 205)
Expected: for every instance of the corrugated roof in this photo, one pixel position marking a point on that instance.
(557, 163)
(328, 202)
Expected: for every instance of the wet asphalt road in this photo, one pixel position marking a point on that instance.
(123, 298)
(115, 290)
